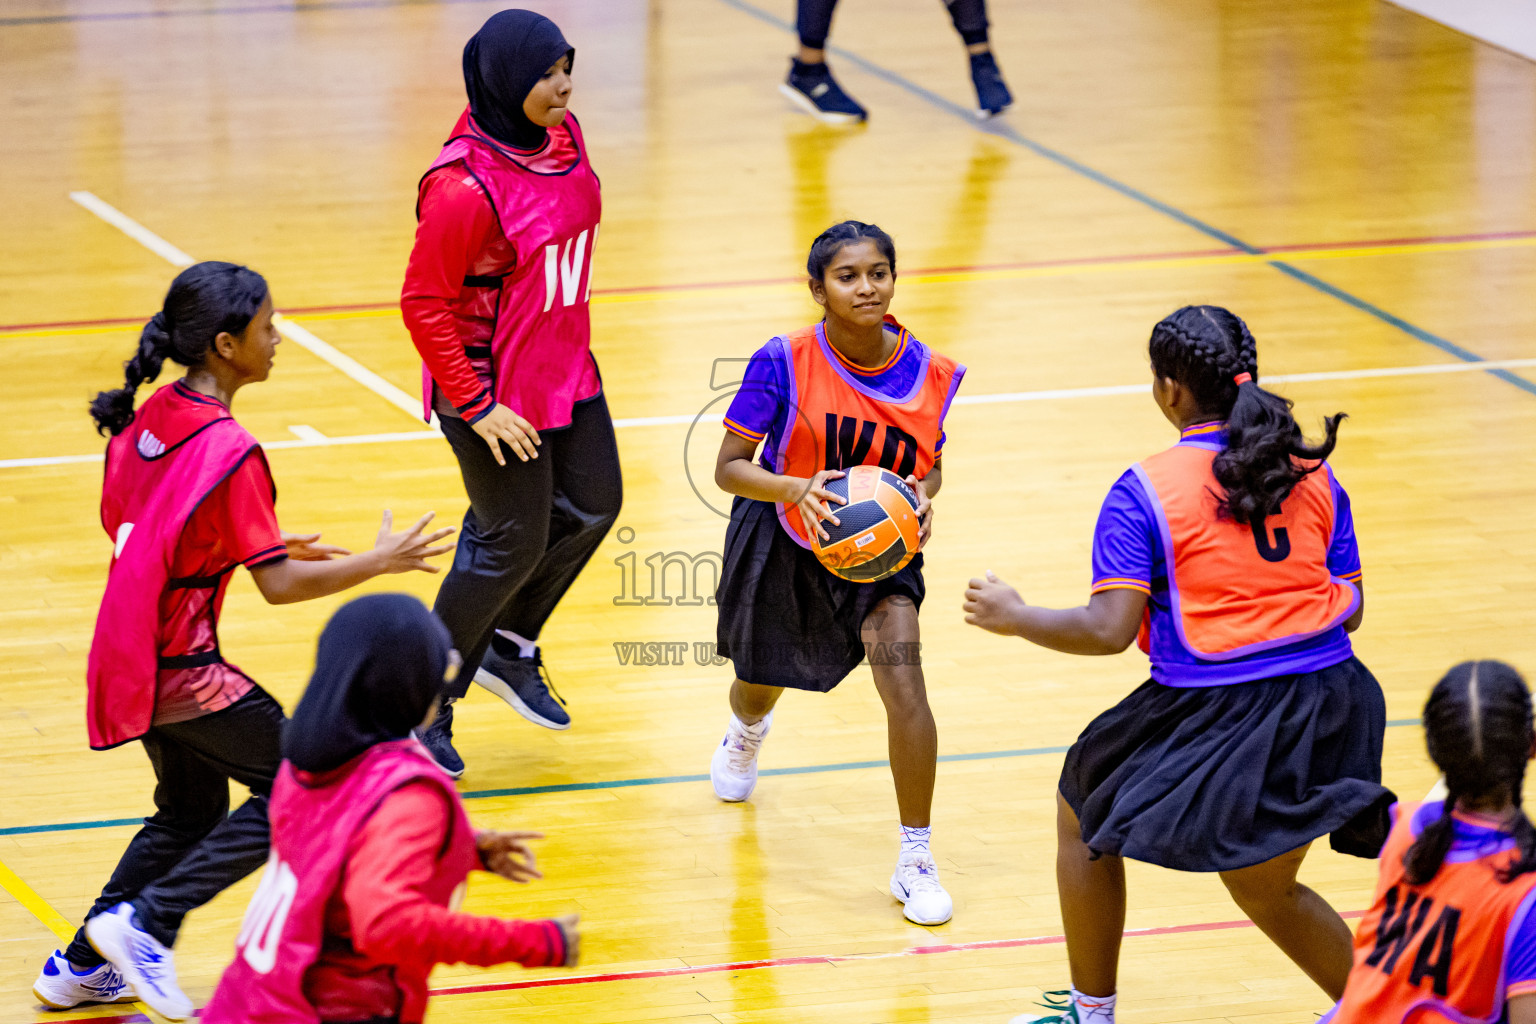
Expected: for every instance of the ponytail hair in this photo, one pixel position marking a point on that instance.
(1212, 353)
(204, 301)
(850, 232)
(1478, 727)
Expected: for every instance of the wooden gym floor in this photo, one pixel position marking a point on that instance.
(1354, 180)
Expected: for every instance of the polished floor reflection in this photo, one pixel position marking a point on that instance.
(1356, 181)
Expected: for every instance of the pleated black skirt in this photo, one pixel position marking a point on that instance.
(1224, 777)
(787, 621)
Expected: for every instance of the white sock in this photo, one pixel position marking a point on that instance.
(1094, 1009)
(754, 730)
(526, 648)
(915, 840)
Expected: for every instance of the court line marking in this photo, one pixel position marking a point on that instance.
(300, 336)
(1360, 248)
(34, 904)
(656, 780)
(1003, 130)
(1044, 395)
(735, 966)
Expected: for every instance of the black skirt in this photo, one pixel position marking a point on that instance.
(785, 620)
(1222, 777)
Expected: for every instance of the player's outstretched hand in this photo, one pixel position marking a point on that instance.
(306, 547)
(993, 605)
(570, 928)
(502, 424)
(410, 549)
(508, 854)
(813, 502)
(924, 511)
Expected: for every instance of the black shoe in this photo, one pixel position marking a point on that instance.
(992, 95)
(438, 739)
(812, 88)
(524, 684)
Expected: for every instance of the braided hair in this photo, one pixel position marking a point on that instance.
(1208, 349)
(205, 300)
(1478, 727)
(850, 232)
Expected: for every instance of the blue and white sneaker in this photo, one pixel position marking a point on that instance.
(812, 88)
(992, 95)
(524, 684)
(915, 883)
(61, 987)
(148, 967)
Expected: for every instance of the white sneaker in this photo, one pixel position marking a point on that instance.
(148, 967)
(733, 769)
(916, 884)
(61, 987)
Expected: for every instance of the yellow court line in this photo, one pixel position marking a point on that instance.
(35, 904)
(945, 277)
(44, 912)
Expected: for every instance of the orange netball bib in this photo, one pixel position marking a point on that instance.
(1237, 590)
(1433, 952)
(835, 420)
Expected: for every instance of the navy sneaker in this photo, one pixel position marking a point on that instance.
(992, 95)
(524, 684)
(438, 739)
(812, 88)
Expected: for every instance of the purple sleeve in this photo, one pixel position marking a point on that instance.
(1123, 539)
(1343, 553)
(1520, 953)
(764, 393)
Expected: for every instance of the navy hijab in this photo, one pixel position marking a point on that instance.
(502, 63)
(381, 662)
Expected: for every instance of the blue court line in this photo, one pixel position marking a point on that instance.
(1005, 131)
(655, 780)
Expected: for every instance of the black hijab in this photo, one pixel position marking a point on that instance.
(502, 64)
(380, 665)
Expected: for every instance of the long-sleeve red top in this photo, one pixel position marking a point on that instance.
(383, 935)
(457, 237)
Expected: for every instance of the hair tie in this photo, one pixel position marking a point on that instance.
(1243, 378)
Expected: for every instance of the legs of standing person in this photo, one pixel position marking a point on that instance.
(242, 742)
(586, 494)
(162, 876)
(190, 799)
(810, 85)
(890, 635)
(1092, 894)
(586, 491)
(970, 20)
(505, 534)
(1295, 918)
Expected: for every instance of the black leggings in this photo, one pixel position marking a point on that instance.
(530, 528)
(814, 21)
(192, 848)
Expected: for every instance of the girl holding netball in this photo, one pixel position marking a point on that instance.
(854, 389)
(497, 300)
(1451, 935)
(1232, 556)
(371, 846)
(187, 498)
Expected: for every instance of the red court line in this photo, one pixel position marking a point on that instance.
(757, 965)
(694, 286)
